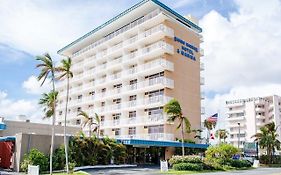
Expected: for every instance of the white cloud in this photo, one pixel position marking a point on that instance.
(243, 50)
(242, 53)
(38, 26)
(33, 86)
(10, 108)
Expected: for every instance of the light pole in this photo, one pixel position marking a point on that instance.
(238, 135)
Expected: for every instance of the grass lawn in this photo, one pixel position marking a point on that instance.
(75, 173)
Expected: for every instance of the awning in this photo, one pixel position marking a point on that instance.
(139, 142)
(2, 126)
(7, 138)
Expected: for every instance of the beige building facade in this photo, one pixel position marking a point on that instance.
(127, 69)
(249, 115)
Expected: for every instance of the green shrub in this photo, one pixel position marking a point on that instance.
(35, 157)
(220, 153)
(238, 163)
(185, 159)
(91, 151)
(276, 159)
(188, 166)
(71, 167)
(59, 158)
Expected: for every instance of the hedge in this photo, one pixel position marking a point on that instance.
(188, 166)
(185, 159)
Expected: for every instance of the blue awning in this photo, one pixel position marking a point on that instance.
(7, 138)
(2, 126)
(139, 142)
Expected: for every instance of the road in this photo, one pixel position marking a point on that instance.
(154, 170)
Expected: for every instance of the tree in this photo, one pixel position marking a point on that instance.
(221, 134)
(197, 133)
(174, 111)
(48, 70)
(88, 120)
(65, 71)
(209, 126)
(267, 139)
(48, 101)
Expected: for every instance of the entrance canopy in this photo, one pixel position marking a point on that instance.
(157, 143)
(7, 138)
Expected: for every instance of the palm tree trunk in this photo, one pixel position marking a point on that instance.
(89, 130)
(64, 128)
(182, 139)
(53, 125)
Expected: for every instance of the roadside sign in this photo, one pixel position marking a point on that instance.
(163, 165)
(250, 148)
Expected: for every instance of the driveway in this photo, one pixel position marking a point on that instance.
(155, 170)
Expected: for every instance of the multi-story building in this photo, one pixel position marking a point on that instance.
(128, 68)
(249, 115)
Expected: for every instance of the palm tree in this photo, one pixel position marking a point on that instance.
(197, 133)
(267, 138)
(221, 134)
(209, 126)
(48, 70)
(174, 111)
(88, 120)
(65, 71)
(47, 101)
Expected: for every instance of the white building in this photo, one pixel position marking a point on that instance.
(252, 114)
(127, 69)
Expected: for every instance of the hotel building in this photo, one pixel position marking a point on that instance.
(251, 114)
(128, 68)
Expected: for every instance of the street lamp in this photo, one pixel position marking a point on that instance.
(238, 135)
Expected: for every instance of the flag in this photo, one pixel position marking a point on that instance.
(213, 118)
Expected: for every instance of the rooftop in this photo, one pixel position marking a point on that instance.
(150, 3)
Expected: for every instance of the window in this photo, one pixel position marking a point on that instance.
(116, 118)
(92, 94)
(79, 109)
(132, 116)
(117, 88)
(132, 130)
(78, 122)
(133, 84)
(101, 132)
(103, 104)
(133, 97)
(240, 114)
(156, 129)
(117, 131)
(60, 113)
(102, 120)
(79, 98)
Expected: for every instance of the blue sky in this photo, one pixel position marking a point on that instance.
(233, 32)
(17, 64)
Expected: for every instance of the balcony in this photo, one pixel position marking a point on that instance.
(155, 48)
(260, 109)
(201, 52)
(202, 110)
(202, 80)
(235, 118)
(118, 32)
(235, 111)
(202, 95)
(159, 100)
(202, 66)
(151, 136)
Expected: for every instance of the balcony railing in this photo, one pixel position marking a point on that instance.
(118, 32)
(151, 136)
